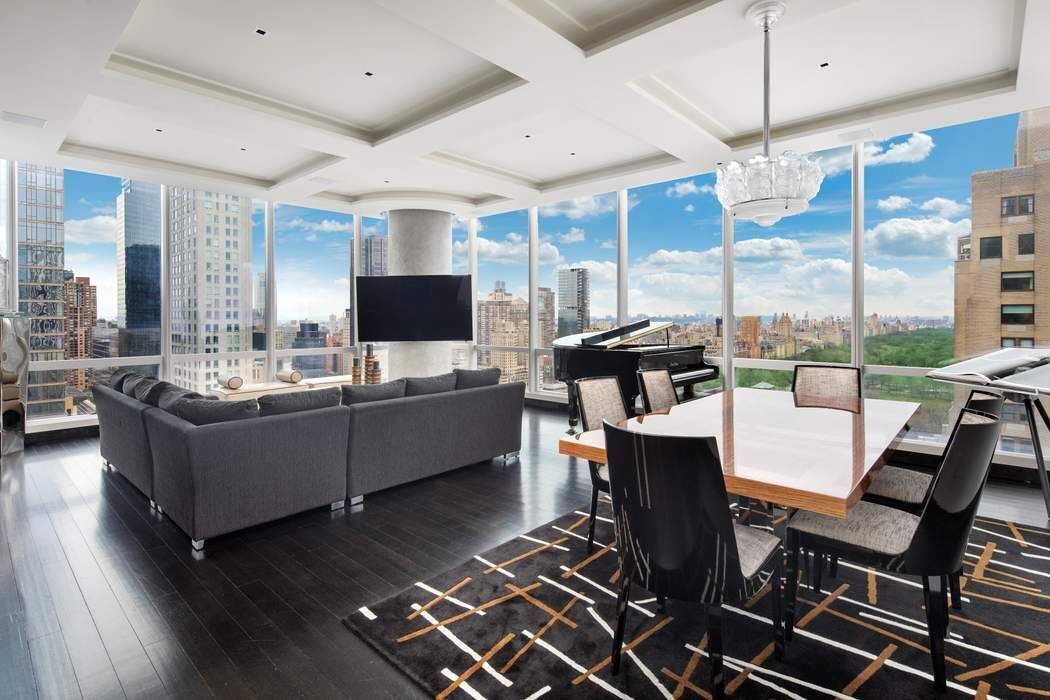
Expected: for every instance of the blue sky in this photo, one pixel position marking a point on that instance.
(917, 189)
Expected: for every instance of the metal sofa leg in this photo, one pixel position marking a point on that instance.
(198, 545)
(338, 505)
(152, 504)
(357, 500)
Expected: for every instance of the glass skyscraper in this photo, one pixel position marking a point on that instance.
(138, 267)
(41, 280)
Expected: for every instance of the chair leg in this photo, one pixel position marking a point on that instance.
(594, 518)
(778, 609)
(956, 589)
(818, 570)
(714, 650)
(791, 576)
(833, 566)
(622, 601)
(936, 619)
(661, 604)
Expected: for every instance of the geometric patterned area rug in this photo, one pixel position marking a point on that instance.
(533, 617)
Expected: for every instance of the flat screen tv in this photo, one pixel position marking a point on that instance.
(413, 307)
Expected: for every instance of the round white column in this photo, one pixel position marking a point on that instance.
(420, 243)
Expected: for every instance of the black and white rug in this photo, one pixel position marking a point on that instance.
(533, 617)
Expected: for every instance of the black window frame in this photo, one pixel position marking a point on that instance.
(1016, 275)
(1017, 318)
(981, 247)
(1011, 206)
(1029, 239)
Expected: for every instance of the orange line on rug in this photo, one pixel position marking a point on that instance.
(526, 555)
(532, 640)
(541, 605)
(873, 588)
(626, 647)
(759, 659)
(439, 598)
(1017, 535)
(690, 669)
(569, 572)
(869, 670)
(758, 596)
(684, 684)
(1000, 572)
(1005, 663)
(989, 628)
(473, 669)
(986, 556)
(456, 618)
(822, 606)
(1041, 692)
(983, 689)
(1026, 606)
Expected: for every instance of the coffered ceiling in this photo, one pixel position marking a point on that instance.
(480, 106)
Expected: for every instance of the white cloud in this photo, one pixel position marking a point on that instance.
(758, 250)
(342, 281)
(946, 208)
(893, 203)
(323, 226)
(690, 208)
(608, 244)
(460, 222)
(581, 207)
(688, 188)
(602, 271)
(312, 237)
(914, 149)
(97, 229)
(573, 235)
(932, 237)
(512, 250)
(105, 209)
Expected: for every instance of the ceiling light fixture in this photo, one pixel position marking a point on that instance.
(573, 153)
(260, 32)
(159, 131)
(765, 189)
(369, 73)
(528, 136)
(825, 64)
(243, 148)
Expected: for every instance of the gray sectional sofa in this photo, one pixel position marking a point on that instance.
(214, 468)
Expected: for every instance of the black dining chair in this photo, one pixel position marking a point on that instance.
(907, 489)
(930, 545)
(600, 399)
(675, 536)
(657, 389)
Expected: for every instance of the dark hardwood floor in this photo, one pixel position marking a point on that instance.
(100, 597)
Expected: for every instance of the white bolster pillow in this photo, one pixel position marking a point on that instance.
(292, 376)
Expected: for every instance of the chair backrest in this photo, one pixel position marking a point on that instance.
(674, 531)
(657, 387)
(821, 386)
(982, 401)
(600, 399)
(939, 542)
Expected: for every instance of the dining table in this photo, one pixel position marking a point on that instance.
(797, 452)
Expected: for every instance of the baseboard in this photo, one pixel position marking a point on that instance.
(83, 431)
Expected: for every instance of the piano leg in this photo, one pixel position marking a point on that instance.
(574, 407)
(687, 392)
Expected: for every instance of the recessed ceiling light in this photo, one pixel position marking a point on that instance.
(243, 148)
(825, 64)
(528, 136)
(369, 73)
(25, 119)
(387, 181)
(260, 32)
(573, 153)
(159, 131)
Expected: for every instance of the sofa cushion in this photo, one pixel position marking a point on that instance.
(148, 389)
(416, 386)
(153, 395)
(294, 401)
(363, 393)
(172, 395)
(474, 378)
(205, 411)
(130, 384)
(116, 379)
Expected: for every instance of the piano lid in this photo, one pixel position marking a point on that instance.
(615, 337)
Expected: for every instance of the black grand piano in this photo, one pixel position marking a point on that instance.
(618, 352)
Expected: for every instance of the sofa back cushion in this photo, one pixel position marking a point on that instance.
(206, 411)
(363, 393)
(172, 395)
(131, 383)
(417, 386)
(294, 401)
(474, 378)
(116, 379)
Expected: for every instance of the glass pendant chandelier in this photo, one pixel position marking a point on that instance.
(765, 189)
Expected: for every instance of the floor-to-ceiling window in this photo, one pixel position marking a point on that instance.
(935, 247)
(675, 254)
(88, 249)
(503, 294)
(793, 282)
(312, 315)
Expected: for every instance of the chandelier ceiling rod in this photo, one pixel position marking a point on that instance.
(765, 88)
